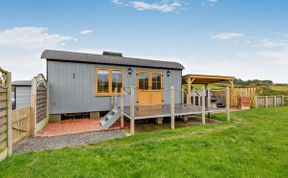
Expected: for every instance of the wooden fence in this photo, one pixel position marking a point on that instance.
(21, 123)
(5, 114)
(270, 101)
(236, 93)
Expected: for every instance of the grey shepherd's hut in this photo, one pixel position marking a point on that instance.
(22, 94)
(84, 83)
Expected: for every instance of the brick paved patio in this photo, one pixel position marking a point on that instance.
(73, 126)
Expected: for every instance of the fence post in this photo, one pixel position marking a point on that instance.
(228, 103)
(256, 101)
(132, 112)
(9, 114)
(283, 100)
(122, 108)
(194, 97)
(172, 107)
(266, 102)
(275, 101)
(203, 106)
(47, 101)
(33, 107)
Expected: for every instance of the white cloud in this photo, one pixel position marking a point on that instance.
(275, 56)
(163, 6)
(86, 32)
(210, 3)
(21, 47)
(227, 36)
(31, 37)
(117, 2)
(90, 50)
(272, 43)
(141, 5)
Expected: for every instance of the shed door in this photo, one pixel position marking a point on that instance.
(149, 88)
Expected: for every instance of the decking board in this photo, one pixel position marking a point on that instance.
(155, 111)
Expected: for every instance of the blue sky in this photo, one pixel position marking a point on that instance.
(244, 38)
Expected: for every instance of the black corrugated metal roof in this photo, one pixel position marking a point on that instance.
(22, 83)
(107, 59)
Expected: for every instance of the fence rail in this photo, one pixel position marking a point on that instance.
(270, 101)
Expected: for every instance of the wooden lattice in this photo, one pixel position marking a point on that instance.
(3, 108)
(41, 98)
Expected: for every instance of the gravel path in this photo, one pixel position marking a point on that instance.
(47, 143)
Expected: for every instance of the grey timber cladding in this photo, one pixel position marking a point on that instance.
(70, 95)
(108, 59)
(22, 83)
(23, 96)
(22, 93)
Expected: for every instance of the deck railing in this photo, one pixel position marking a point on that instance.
(201, 94)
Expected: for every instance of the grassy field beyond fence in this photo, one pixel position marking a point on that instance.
(253, 144)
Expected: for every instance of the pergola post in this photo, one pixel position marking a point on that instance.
(203, 105)
(122, 108)
(189, 91)
(199, 98)
(172, 107)
(228, 103)
(194, 97)
(208, 97)
(132, 112)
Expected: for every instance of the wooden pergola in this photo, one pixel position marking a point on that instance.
(190, 79)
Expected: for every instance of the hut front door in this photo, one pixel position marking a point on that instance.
(149, 88)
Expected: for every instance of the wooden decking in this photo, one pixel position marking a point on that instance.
(157, 111)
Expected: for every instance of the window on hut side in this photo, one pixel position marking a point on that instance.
(117, 80)
(156, 81)
(103, 81)
(108, 80)
(143, 81)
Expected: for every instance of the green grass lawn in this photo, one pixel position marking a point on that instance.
(253, 144)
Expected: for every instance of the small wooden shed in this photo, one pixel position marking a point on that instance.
(22, 94)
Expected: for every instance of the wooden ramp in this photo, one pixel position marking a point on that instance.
(157, 111)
